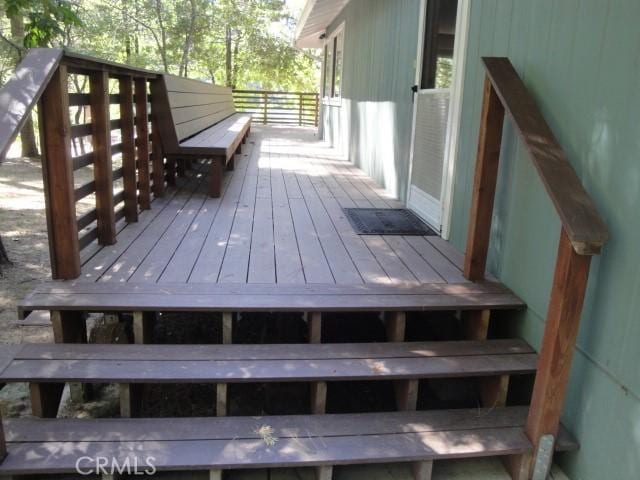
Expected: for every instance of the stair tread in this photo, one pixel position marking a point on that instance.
(54, 445)
(249, 363)
(128, 297)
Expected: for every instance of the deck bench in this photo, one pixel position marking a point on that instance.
(198, 120)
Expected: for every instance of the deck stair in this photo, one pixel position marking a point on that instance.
(216, 444)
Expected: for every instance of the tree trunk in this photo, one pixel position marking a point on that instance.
(184, 64)
(27, 135)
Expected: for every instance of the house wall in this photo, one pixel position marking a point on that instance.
(373, 124)
(581, 60)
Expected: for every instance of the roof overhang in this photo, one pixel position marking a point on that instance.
(316, 16)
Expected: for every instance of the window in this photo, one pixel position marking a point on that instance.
(333, 62)
(439, 40)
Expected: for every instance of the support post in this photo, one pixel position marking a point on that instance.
(221, 400)
(45, 399)
(57, 171)
(318, 398)
(314, 320)
(484, 184)
(215, 474)
(227, 328)
(102, 167)
(325, 472)
(422, 470)
(69, 327)
(142, 143)
(300, 109)
(143, 327)
(130, 400)
(128, 150)
(556, 353)
(406, 390)
(265, 98)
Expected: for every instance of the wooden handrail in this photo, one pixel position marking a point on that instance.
(583, 234)
(23, 90)
(580, 219)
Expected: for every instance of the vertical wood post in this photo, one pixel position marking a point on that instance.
(130, 400)
(300, 109)
(128, 150)
(57, 174)
(484, 184)
(142, 143)
(3, 443)
(558, 343)
(143, 327)
(265, 114)
(102, 168)
(158, 155)
(317, 110)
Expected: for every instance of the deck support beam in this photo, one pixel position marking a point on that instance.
(227, 328)
(221, 400)
(143, 327)
(314, 323)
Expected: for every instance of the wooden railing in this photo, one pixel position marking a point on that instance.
(287, 108)
(583, 235)
(101, 157)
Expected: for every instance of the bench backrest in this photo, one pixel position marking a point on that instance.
(196, 105)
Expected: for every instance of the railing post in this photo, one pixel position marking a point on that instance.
(102, 167)
(128, 150)
(58, 177)
(317, 109)
(265, 97)
(484, 184)
(142, 143)
(158, 156)
(556, 352)
(300, 109)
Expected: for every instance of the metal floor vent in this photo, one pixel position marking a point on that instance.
(386, 221)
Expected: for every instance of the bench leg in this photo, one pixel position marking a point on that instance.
(231, 164)
(216, 176)
(182, 168)
(171, 171)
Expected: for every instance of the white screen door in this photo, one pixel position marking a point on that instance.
(432, 116)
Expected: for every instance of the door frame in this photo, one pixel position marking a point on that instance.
(455, 108)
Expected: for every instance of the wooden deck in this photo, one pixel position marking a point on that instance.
(276, 239)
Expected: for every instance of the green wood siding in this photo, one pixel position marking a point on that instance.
(581, 60)
(373, 124)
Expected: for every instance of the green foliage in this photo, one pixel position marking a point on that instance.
(241, 43)
(46, 19)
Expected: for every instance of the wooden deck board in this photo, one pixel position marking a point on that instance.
(303, 440)
(279, 222)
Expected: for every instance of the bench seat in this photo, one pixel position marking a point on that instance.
(198, 120)
(215, 444)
